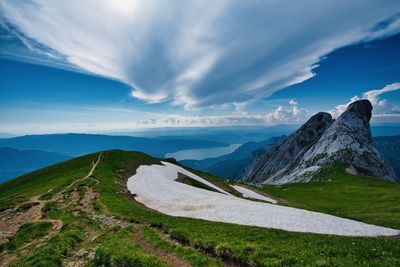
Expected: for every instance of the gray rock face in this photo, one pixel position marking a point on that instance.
(283, 158)
(347, 140)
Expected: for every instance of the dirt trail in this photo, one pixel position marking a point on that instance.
(94, 165)
(36, 213)
(164, 256)
(13, 219)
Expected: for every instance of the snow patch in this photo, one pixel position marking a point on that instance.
(155, 187)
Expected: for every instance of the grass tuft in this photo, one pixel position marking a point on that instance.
(27, 233)
(119, 249)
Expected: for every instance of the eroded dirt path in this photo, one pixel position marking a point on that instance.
(70, 198)
(32, 211)
(169, 258)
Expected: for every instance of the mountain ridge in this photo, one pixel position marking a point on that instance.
(79, 144)
(322, 141)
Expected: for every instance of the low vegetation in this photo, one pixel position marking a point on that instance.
(118, 250)
(41, 181)
(203, 243)
(242, 244)
(27, 233)
(337, 192)
(52, 253)
(192, 182)
(192, 255)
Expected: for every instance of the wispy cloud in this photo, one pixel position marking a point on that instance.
(194, 53)
(383, 110)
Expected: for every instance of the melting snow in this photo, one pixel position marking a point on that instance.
(247, 193)
(155, 187)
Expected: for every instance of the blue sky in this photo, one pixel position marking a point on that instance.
(133, 65)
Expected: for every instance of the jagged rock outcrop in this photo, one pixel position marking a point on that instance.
(347, 140)
(277, 161)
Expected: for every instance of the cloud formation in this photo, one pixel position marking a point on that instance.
(60, 119)
(383, 109)
(194, 53)
(282, 114)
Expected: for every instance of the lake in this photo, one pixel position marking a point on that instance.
(198, 154)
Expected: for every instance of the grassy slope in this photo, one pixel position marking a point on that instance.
(41, 181)
(251, 245)
(28, 232)
(255, 246)
(118, 250)
(336, 192)
(192, 182)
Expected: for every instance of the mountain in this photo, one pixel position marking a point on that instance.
(320, 142)
(284, 157)
(231, 165)
(15, 162)
(389, 146)
(223, 134)
(118, 208)
(79, 144)
(385, 130)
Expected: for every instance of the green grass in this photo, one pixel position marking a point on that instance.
(221, 183)
(193, 256)
(41, 181)
(336, 192)
(27, 233)
(83, 184)
(251, 245)
(52, 253)
(233, 243)
(192, 182)
(119, 249)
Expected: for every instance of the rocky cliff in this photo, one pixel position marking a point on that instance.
(322, 141)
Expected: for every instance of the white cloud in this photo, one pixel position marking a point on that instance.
(195, 53)
(293, 102)
(285, 115)
(110, 119)
(382, 108)
(373, 95)
(339, 109)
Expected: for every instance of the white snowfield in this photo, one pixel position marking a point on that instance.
(247, 193)
(155, 187)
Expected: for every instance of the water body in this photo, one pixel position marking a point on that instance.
(198, 154)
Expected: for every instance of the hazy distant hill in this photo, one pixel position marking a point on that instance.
(389, 146)
(15, 162)
(230, 165)
(79, 144)
(238, 134)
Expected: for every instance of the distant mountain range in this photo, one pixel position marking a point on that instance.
(231, 165)
(20, 155)
(389, 146)
(15, 162)
(79, 144)
(239, 134)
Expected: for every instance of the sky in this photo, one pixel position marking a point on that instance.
(109, 66)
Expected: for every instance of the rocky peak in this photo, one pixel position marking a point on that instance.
(281, 158)
(362, 108)
(322, 141)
